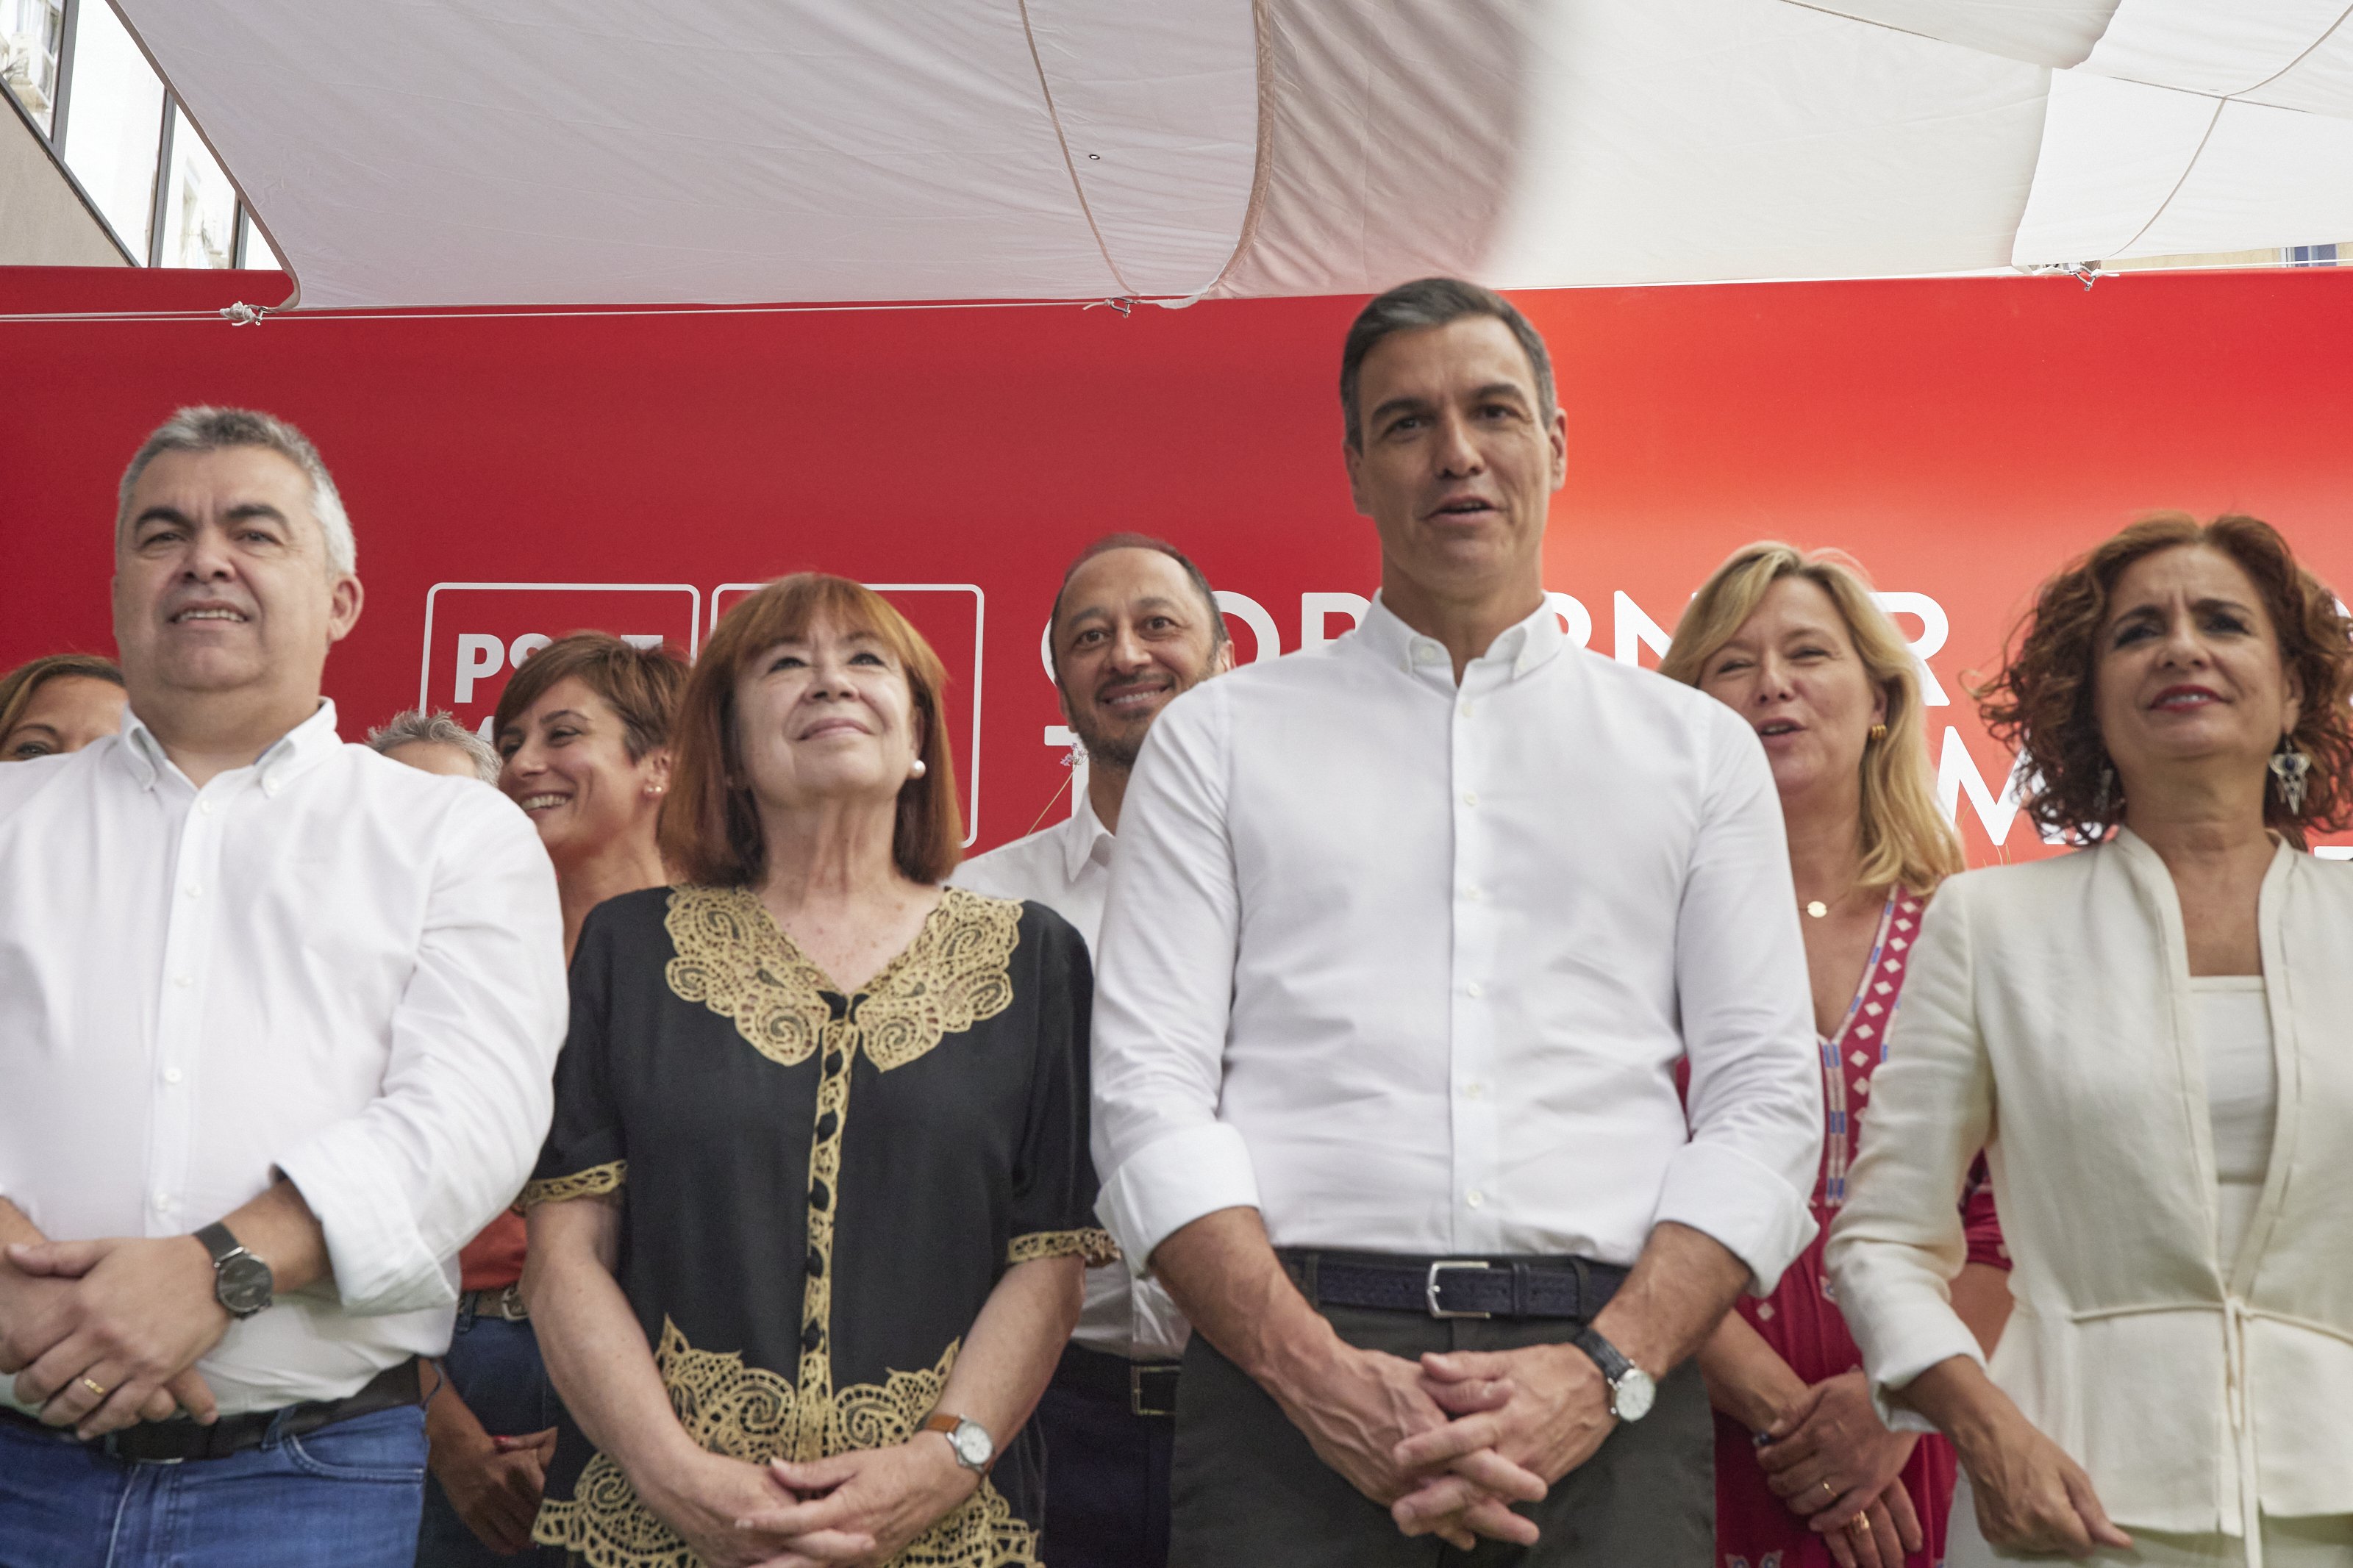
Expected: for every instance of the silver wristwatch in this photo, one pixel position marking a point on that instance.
(974, 1449)
(1632, 1392)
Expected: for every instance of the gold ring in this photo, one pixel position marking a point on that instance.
(1861, 1524)
(1831, 1489)
(94, 1387)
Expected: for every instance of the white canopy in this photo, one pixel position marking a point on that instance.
(551, 152)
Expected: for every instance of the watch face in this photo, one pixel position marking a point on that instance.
(1631, 1396)
(973, 1445)
(243, 1284)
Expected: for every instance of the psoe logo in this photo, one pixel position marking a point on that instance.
(477, 634)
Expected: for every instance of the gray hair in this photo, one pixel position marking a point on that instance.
(418, 727)
(205, 429)
(1433, 302)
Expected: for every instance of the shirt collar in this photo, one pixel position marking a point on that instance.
(293, 754)
(1082, 833)
(1523, 646)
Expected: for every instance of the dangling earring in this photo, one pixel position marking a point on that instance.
(919, 770)
(2289, 765)
(1879, 732)
(2107, 796)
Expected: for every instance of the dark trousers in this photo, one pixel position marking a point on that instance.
(494, 1366)
(1249, 1489)
(1106, 1472)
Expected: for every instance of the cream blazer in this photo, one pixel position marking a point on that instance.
(2047, 1017)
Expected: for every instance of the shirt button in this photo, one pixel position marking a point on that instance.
(1473, 1089)
(163, 1200)
(171, 1075)
(1473, 893)
(193, 890)
(1470, 797)
(205, 807)
(1475, 1199)
(1467, 705)
(1475, 990)
(184, 980)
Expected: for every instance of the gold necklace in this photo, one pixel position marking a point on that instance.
(1820, 911)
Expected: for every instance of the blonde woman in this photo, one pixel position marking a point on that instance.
(1806, 1471)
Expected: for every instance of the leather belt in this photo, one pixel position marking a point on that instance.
(505, 1303)
(1144, 1387)
(1454, 1287)
(171, 1442)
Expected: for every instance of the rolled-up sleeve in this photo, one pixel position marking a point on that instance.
(1901, 1237)
(1163, 990)
(401, 1186)
(1755, 1101)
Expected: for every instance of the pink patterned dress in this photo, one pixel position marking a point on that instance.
(1801, 1321)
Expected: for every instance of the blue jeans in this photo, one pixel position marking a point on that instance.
(345, 1494)
(494, 1366)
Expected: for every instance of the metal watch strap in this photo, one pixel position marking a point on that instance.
(220, 1241)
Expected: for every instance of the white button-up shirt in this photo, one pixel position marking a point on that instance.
(327, 965)
(1067, 868)
(1408, 966)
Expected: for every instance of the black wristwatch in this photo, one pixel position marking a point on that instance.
(242, 1283)
(1632, 1392)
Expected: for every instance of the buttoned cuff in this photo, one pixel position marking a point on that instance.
(381, 1261)
(1167, 1185)
(1742, 1204)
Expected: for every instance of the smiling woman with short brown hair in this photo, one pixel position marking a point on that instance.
(807, 1234)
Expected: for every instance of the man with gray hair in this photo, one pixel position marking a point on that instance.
(278, 1029)
(435, 742)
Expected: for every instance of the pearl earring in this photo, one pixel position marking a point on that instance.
(919, 770)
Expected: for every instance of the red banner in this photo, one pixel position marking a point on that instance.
(512, 479)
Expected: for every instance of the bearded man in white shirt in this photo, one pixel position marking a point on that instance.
(1406, 938)
(277, 1026)
(1133, 626)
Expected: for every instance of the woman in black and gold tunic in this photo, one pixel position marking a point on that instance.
(807, 1234)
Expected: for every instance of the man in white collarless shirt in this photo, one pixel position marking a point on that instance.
(277, 1027)
(1134, 624)
(1406, 938)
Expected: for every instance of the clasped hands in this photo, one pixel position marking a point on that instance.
(1449, 1443)
(1832, 1462)
(854, 1509)
(102, 1334)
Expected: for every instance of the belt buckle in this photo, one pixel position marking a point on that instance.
(511, 1307)
(1136, 1403)
(1429, 1285)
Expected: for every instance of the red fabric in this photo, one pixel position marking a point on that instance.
(494, 1260)
(1800, 1319)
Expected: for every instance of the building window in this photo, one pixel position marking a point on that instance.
(114, 124)
(197, 219)
(32, 39)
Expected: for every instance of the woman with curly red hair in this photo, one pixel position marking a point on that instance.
(2152, 1039)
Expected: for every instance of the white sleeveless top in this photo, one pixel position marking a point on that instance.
(2234, 1031)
